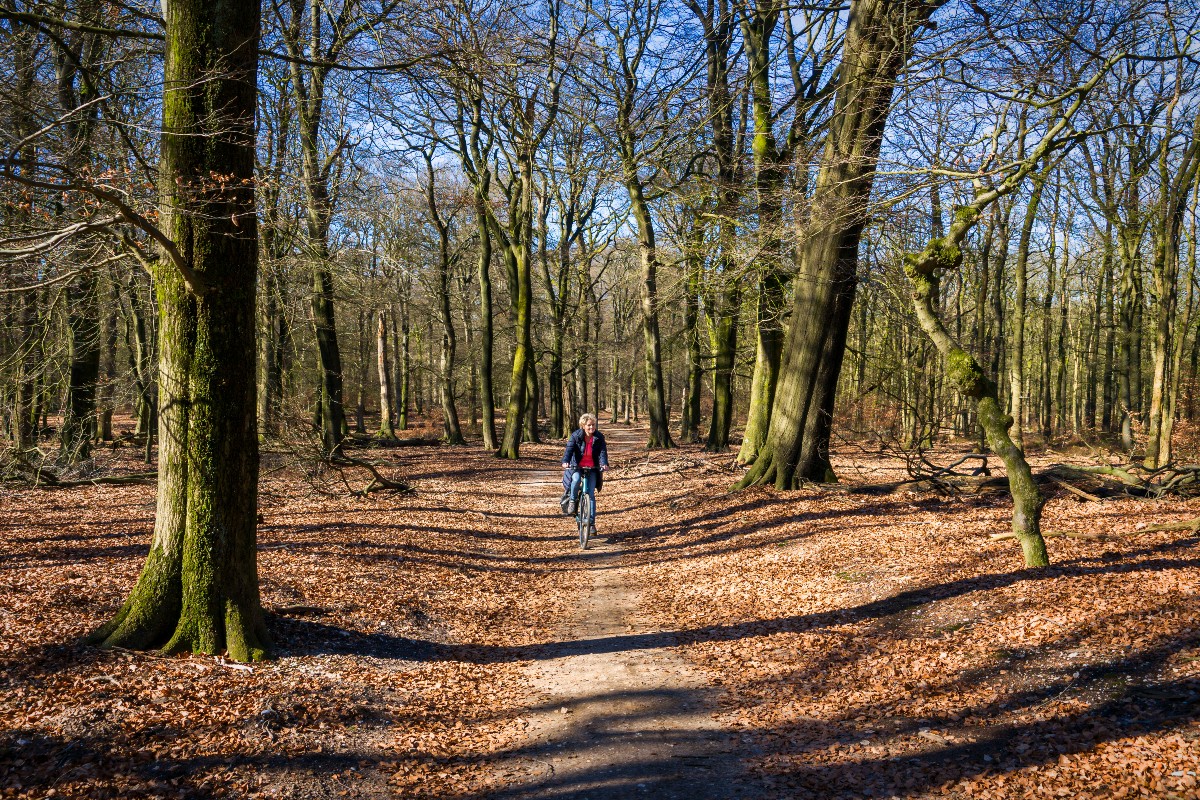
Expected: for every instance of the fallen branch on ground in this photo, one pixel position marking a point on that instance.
(17, 468)
(1192, 525)
(378, 482)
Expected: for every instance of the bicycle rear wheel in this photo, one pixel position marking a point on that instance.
(585, 516)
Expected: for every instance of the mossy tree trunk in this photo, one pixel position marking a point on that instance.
(876, 47)
(519, 254)
(487, 393)
(198, 590)
(943, 254)
(769, 176)
(923, 270)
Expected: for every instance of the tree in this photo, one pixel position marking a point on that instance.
(876, 48)
(810, 51)
(198, 590)
(635, 82)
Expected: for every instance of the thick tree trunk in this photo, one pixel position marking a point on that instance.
(769, 178)
(766, 365)
(876, 48)
(198, 590)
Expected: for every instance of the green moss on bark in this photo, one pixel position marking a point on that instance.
(966, 373)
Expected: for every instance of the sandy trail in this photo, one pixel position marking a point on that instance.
(610, 721)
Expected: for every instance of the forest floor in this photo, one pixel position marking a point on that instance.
(455, 642)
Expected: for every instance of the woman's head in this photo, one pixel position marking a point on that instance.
(588, 423)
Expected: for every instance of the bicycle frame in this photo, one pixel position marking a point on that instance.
(584, 512)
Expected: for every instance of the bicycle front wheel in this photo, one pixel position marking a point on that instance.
(585, 516)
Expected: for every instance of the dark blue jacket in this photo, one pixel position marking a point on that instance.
(574, 452)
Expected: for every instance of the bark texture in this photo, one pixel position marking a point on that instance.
(877, 45)
(198, 590)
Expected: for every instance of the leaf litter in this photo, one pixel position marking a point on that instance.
(863, 646)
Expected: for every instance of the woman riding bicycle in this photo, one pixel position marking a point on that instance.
(586, 450)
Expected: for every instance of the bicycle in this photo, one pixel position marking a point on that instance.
(583, 506)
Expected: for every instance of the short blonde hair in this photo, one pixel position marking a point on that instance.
(586, 417)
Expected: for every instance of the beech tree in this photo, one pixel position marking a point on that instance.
(198, 590)
(877, 44)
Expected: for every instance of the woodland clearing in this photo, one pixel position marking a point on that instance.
(841, 644)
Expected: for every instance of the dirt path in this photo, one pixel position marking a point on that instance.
(614, 721)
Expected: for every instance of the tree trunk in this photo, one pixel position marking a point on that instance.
(876, 48)
(83, 326)
(724, 338)
(360, 402)
(534, 398)
(660, 433)
(198, 590)
(689, 426)
(962, 368)
(1047, 396)
(108, 363)
(384, 368)
(405, 366)
(332, 409)
(25, 424)
(1016, 361)
(518, 393)
(487, 394)
(769, 177)
(1130, 367)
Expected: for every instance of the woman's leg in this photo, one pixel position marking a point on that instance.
(575, 479)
